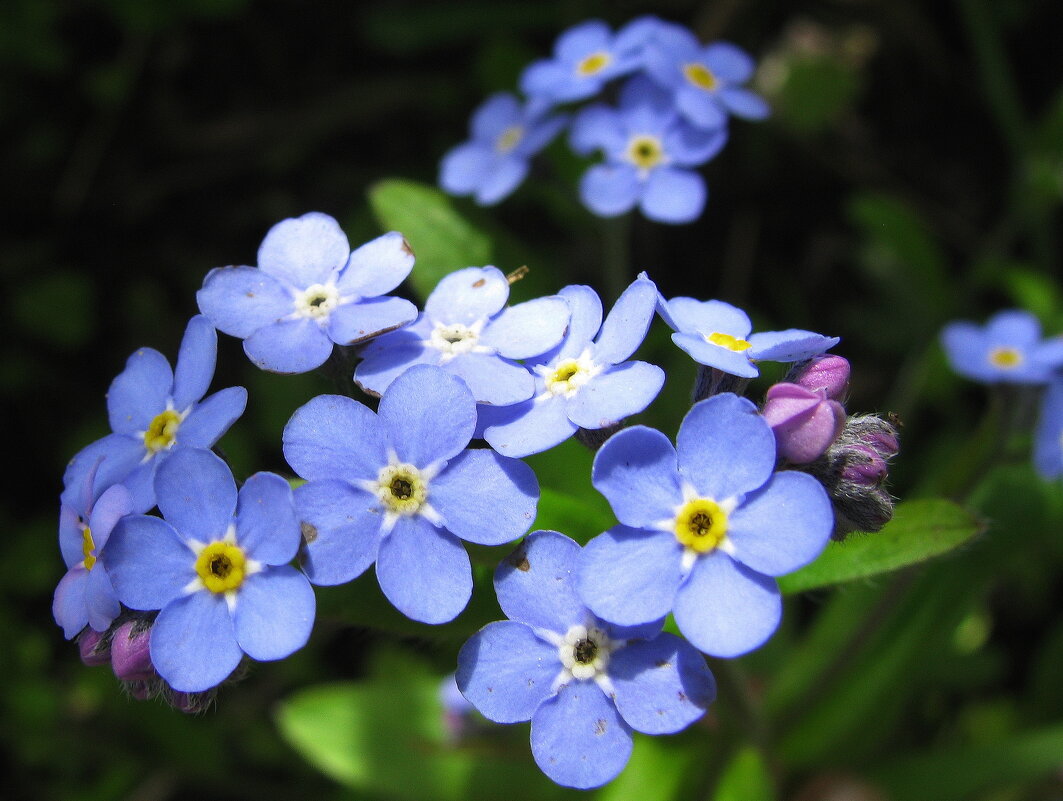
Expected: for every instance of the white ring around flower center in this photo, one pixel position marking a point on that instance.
(454, 339)
(317, 301)
(568, 376)
(584, 652)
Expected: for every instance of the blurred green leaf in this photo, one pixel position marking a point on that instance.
(441, 238)
(746, 779)
(919, 530)
(574, 516)
(655, 772)
(816, 92)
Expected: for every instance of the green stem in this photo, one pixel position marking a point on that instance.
(616, 255)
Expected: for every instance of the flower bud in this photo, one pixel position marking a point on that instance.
(863, 466)
(804, 421)
(130, 656)
(828, 372)
(94, 648)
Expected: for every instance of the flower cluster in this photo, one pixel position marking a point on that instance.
(671, 117)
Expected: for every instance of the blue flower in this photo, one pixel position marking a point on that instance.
(398, 488)
(648, 150)
(582, 682)
(703, 530)
(706, 81)
(1048, 440)
(717, 335)
(505, 135)
(308, 292)
(155, 412)
(217, 568)
(585, 383)
(586, 57)
(467, 330)
(85, 596)
(1008, 350)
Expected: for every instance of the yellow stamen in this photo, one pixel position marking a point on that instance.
(701, 525)
(402, 489)
(1005, 358)
(728, 341)
(595, 62)
(222, 566)
(645, 152)
(509, 138)
(701, 76)
(162, 433)
(87, 548)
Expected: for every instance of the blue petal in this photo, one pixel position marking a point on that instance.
(725, 609)
(306, 250)
(195, 362)
(197, 494)
(352, 323)
(630, 576)
(636, 471)
(377, 267)
(783, 526)
(579, 40)
(140, 482)
(1048, 440)
(546, 78)
(148, 562)
(530, 427)
(69, 607)
(792, 345)
(274, 613)
(578, 738)
(485, 498)
(528, 329)
(505, 671)
(585, 321)
(1013, 327)
(674, 196)
(597, 127)
(690, 147)
(139, 392)
(240, 300)
(382, 365)
(725, 447)
(609, 189)
(211, 418)
(539, 133)
(712, 355)
(492, 117)
(662, 685)
(690, 316)
(100, 601)
(193, 645)
(465, 168)
(424, 571)
(468, 295)
(626, 326)
(289, 346)
(745, 104)
(505, 175)
(345, 530)
(535, 583)
(114, 504)
(700, 108)
(616, 393)
(70, 536)
(428, 414)
(493, 379)
(728, 62)
(333, 436)
(266, 525)
(106, 461)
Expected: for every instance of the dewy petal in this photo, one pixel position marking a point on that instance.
(266, 526)
(662, 685)
(424, 571)
(578, 738)
(193, 645)
(344, 530)
(465, 167)
(485, 498)
(289, 346)
(274, 613)
(493, 379)
(196, 494)
(792, 345)
(535, 583)
(212, 417)
(506, 671)
(240, 300)
(377, 267)
(148, 562)
(609, 189)
(505, 175)
(725, 609)
(195, 362)
(585, 321)
(725, 447)
(468, 295)
(616, 393)
(69, 607)
(636, 470)
(528, 329)
(674, 196)
(529, 427)
(333, 436)
(428, 414)
(303, 251)
(783, 526)
(139, 392)
(352, 323)
(630, 576)
(626, 326)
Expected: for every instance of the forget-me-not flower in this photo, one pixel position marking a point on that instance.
(308, 292)
(705, 526)
(467, 330)
(586, 57)
(1007, 350)
(399, 489)
(216, 565)
(582, 682)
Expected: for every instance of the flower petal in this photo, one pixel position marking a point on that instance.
(468, 295)
(616, 393)
(149, 564)
(585, 321)
(196, 494)
(289, 346)
(193, 645)
(609, 189)
(344, 530)
(424, 571)
(377, 267)
(485, 498)
(465, 168)
(212, 417)
(139, 392)
(100, 601)
(504, 176)
(274, 613)
(528, 329)
(240, 300)
(674, 196)
(266, 525)
(636, 471)
(69, 607)
(333, 436)
(306, 250)
(506, 671)
(535, 583)
(792, 345)
(745, 104)
(428, 415)
(352, 323)
(529, 427)
(626, 326)
(195, 362)
(493, 379)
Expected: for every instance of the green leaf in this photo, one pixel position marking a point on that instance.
(579, 518)
(746, 779)
(441, 238)
(920, 530)
(656, 771)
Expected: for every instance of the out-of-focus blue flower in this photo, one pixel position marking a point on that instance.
(705, 527)
(582, 682)
(648, 152)
(717, 334)
(504, 135)
(308, 292)
(705, 80)
(1008, 350)
(84, 596)
(1048, 441)
(586, 57)
(155, 412)
(399, 489)
(586, 382)
(467, 330)
(217, 568)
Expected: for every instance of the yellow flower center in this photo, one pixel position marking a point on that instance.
(402, 489)
(728, 341)
(700, 76)
(87, 548)
(569, 375)
(222, 566)
(645, 152)
(594, 63)
(1005, 358)
(701, 525)
(509, 138)
(162, 433)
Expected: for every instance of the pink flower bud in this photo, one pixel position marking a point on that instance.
(130, 657)
(865, 466)
(829, 373)
(92, 648)
(805, 422)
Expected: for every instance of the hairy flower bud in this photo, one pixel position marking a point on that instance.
(94, 647)
(130, 657)
(805, 422)
(828, 372)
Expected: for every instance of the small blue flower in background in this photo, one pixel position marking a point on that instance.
(648, 152)
(217, 568)
(586, 382)
(467, 330)
(308, 292)
(717, 334)
(505, 135)
(1048, 439)
(705, 527)
(586, 57)
(1008, 350)
(582, 682)
(155, 412)
(85, 596)
(399, 489)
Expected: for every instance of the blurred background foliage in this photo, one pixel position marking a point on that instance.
(912, 173)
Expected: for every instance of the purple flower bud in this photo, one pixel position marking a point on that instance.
(829, 373)
(94, 649)
(140, 690)
(864, 466)
(130, 657)
(805, 422)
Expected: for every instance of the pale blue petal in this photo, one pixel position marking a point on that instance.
(345, 530)
(690, 147)
(1048, 439)
(545, 78)
(114, 504)
(306, 250)
(531, 427)
(539, 133)
(485, 498)
(111, 459)
(700, 108)
(791, 345)
(690, 316)
(140, 481)
(528, 329)
(211, 418)
(195, 362)
(193, 645)
(493, 379)
(585, 321)
(196, 494)
(424, 571)
(100, 600)
(580, 40)
(468, 295)
(274, 613)
(266, 525)
(712, 355)
(428, 415)
(139, 392)
(728, 62)
(505, 671)
(504, 176)
(626, 326)
(465, 167)
(494, 115)
(289, 346)
(630, 576)
(333, 436)
(70, 536)
(240, 300)
(535, 584)
(596, 127)
(616, 393)
(352, 323)
(381, 366)
(609, 189)
(636, 470)
(377, 267)
(674, 196)
(745, 104)
(1013, 327)
(148, 562)
(69, 607)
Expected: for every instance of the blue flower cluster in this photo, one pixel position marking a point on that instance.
(671, 117)
(427, 459)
